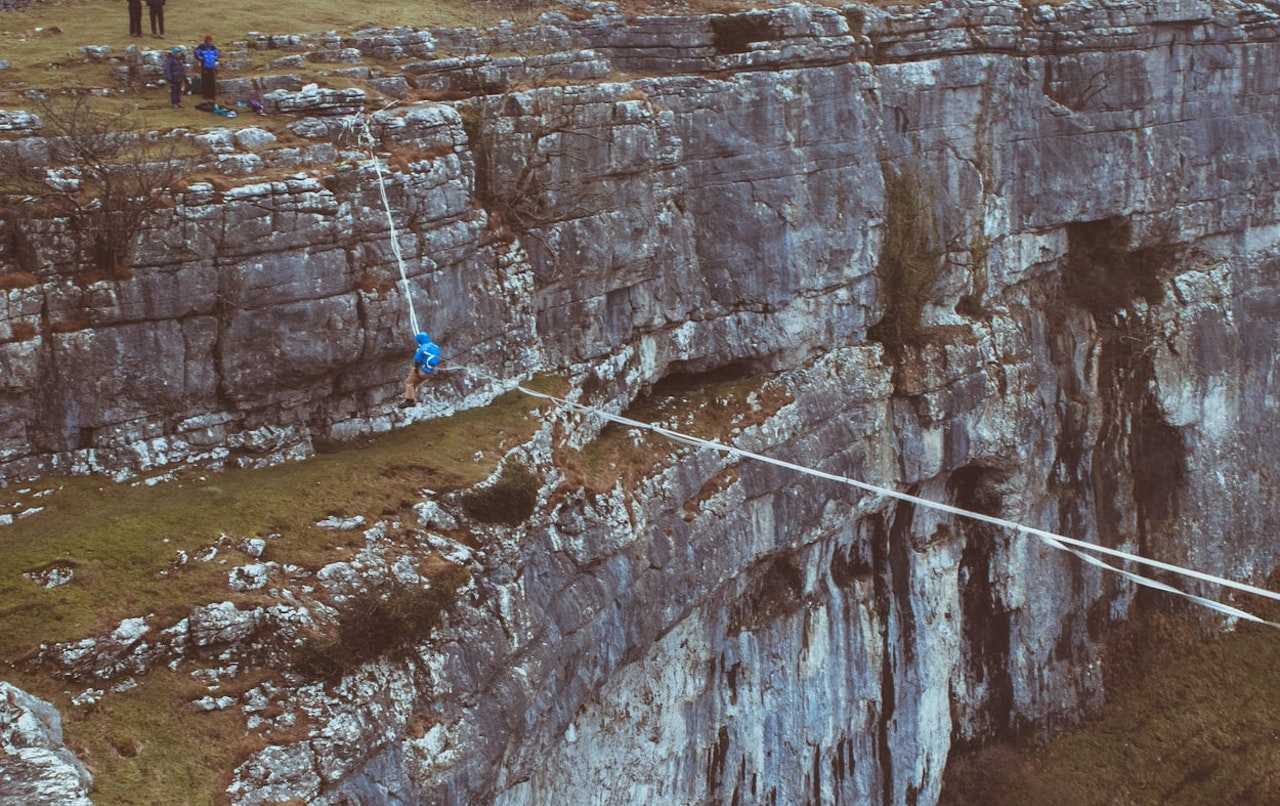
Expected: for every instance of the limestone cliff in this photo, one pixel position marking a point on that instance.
(1022, 259)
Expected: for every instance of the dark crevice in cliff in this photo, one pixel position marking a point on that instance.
(736, 34)
(716, 761)
(683, 376)
(893, 606)
(851, 564)
(985, 624)
(899, 549)
(1138, 465)
(57, 430)
(776, 589)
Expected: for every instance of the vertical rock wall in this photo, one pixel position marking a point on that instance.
(1095, 356)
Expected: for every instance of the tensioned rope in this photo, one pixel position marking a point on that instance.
(1060, 542)
(366, 136)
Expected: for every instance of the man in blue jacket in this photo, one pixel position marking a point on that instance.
(425, 361)
(207, 57)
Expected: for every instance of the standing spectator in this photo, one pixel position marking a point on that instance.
(175, 72)
(156, 8)
(207, 55)
(135, 17)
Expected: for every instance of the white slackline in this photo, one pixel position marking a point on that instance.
(1057, 541)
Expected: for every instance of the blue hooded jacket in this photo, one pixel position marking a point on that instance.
(427, 356)
(207, 55)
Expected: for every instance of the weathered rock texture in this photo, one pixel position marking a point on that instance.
(35, 767)
(1097, 355)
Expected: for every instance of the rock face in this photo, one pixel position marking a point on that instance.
(35, 767)
(1022, 260)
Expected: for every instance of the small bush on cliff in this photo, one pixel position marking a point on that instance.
(527, 141)
(910, 258)
(384, 621)
(107, 181)
(509, 500)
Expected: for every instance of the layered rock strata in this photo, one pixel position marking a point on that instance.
(1082, 338)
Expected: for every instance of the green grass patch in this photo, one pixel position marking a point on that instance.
(150, 746)
(1188, 721)
(52, 60)
(119, 538)
(106, 22)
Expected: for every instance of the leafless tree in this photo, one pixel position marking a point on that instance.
(101, 175)
(515, 165)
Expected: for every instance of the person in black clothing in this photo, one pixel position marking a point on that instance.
(175, 72)
(135, 17)
(157, 17)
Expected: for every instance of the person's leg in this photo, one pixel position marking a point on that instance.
(151, 16)
(175, 93)
(160, 18)
(207, 88)
(135, 20)
(411, 386)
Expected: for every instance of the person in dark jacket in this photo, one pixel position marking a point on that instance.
(207, 57)
(156, 7)
(175, 72)
(135, 17)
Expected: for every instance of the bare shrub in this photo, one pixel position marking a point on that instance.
(510, 500)
(911, 257)
(385, 621)
(106, 179)
(513, 169)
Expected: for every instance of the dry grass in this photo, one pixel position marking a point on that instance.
(149, 745)
(709, 405)
(1190, 721)
(17, 279)
(22, 331)
(105, 22)
(510, 500)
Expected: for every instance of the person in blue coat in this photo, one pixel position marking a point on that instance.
(425, 361)
(207, 56)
